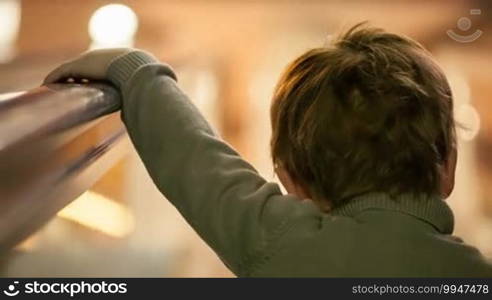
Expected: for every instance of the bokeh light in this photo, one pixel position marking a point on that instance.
(95, 211)
(113, 25)
(10, 15)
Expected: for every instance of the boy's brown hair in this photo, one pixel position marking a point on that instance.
(370, 112)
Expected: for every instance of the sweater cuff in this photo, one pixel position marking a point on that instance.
(123, 67)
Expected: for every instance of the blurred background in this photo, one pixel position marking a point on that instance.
(228, 55)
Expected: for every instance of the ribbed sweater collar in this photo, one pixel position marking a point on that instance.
(431, 209)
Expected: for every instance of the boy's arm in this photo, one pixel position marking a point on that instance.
(221, 196)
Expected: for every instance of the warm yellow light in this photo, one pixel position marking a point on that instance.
(467, 116)
(464, 112)
(11, 95)
(113, 25)
(99, 213)
(29, 244)
(9, 28)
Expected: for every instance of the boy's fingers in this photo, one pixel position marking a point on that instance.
(90, 65)
(61, 72)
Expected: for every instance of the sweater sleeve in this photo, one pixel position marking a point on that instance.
(221, 196)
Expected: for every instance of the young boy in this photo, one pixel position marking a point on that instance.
(363, 141)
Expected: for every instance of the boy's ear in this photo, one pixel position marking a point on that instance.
(448, 174)
(291, 185)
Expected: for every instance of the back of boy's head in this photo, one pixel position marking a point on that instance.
(372, 112)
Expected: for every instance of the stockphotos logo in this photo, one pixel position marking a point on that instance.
(65, 288)
(464, 25)
(11, 290)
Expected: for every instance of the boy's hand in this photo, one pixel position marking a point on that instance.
(89, 65)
